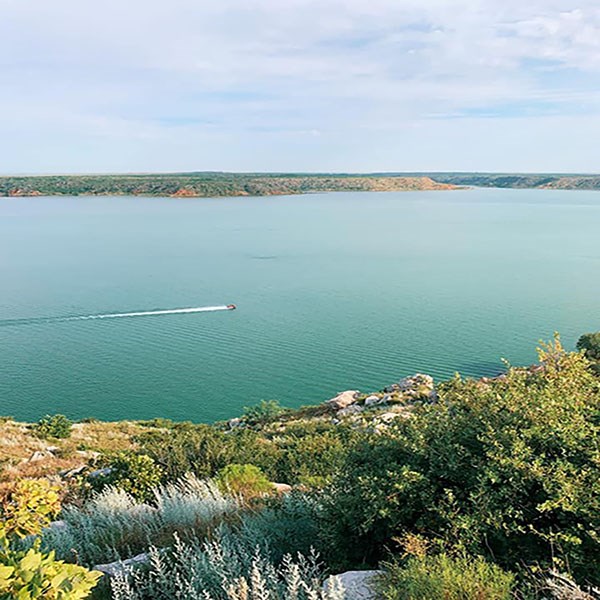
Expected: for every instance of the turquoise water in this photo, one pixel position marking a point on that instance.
(334, 291)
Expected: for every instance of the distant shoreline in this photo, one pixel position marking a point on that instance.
(213, 184)
(208, 185)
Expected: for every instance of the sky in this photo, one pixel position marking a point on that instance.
(299, 85)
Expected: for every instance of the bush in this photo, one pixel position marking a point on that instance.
(313, 453)
(590, 344)
(288, 524)
(188, 448)
(223, 569)
(113, 526)
(264, 412)
(245, 481)
(29, 574)
(436, 577)
(29, 507)
(53, 426)
(508, 469)
(309, 453)
(136, 474)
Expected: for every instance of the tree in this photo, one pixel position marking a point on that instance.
(590, 344)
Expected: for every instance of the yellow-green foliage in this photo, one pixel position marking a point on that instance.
(137, 474)
(436, 577)
(30, 574)
(30, 507)
(246, 481)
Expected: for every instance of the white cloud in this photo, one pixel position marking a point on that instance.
(127, 81)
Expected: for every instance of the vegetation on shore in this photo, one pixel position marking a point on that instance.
(217, 184)
(183, 185)
(485, 489)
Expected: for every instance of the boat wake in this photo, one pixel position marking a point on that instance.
(121, 315)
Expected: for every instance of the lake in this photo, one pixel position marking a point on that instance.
(334, 291)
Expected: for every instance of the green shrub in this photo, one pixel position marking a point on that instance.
(287, 524)
(137, 474)
(437, 577)
(245, 481)
(590, 344)
(313, 453)
(264, 412)
(188, 448)
(224, 569)
(28, 574)
(508, 469)
(303, 452)
(53, 426)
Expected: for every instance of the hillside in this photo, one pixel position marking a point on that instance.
(209, 184)
(521, 180)
(483, 489)
(215, 184)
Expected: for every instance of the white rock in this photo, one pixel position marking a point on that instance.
(282, 488)
(373, 400)
(353, 409)
(387, 417)
(343, 399)
(120, 566)
(358, 585)
(39, 455)
(58, 525)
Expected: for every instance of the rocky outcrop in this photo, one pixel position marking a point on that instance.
(344, 399)
(415, 387)
(358, 585)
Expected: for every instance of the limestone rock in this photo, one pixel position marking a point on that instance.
(418, 386)
(121, 566)
(353, 409)
(236, 422)
(373, 400)
(68, 473)
(343, 399)
(358, 585)
(282, 488)
(39, 455)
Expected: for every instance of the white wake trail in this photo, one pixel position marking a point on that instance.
(147, 313)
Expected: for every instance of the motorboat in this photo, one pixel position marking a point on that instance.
(231, 307)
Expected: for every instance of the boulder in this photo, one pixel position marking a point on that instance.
(39, 455)
(68, 473)
(58, 525)
(282, 488)
(415, 386)
(123, 566)
(353, 409)
(235, 422)
(343, 399)
(100, 473)
(373, 400)
(358, 585)
(387, 417)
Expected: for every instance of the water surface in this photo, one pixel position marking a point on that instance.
(334, 291)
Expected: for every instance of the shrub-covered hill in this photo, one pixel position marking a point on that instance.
(485, 489)
(209, 184)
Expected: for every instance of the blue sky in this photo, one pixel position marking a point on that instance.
(299, 85)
